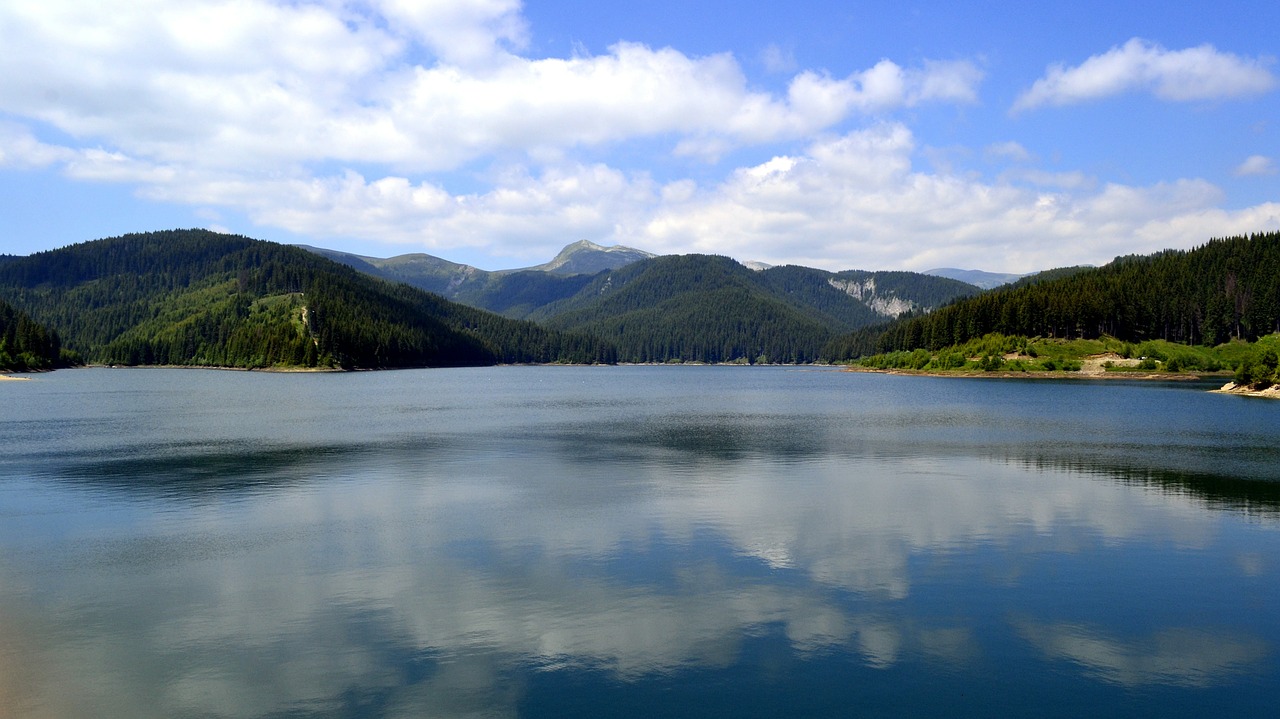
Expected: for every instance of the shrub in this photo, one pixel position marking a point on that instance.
(1245, 372)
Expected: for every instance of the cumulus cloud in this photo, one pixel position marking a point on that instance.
(1198, 73)
(1256, 165)
(857, 202)
(423, 125)
(20, 149)
(422, 86)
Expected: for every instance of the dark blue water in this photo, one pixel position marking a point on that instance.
(634, 541)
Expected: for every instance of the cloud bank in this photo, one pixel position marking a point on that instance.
(428, 127)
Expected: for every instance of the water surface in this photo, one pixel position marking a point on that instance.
(633, 541)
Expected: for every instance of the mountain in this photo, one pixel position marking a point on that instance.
(712, 309)
(512, 293)
(1224, 289)
(977, 278)
(426, 272)
(192, 297)
(587, 258)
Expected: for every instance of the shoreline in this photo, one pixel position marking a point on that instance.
(1272, 392)
(277, 370)
(1058, 374)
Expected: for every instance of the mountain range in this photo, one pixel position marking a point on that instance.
(977, 278)
(193, 297)
(541, 291)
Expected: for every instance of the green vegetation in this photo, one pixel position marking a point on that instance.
(191, 297)
(992, 353)
(690, 308)
(26, 346)
(1258, 366)
(694, 308)
(1255, 363)
(703, 308)
(1224, 290)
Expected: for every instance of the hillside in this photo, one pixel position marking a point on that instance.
(1227, 288)
(713, 309)
(192, 297)
(26, 345)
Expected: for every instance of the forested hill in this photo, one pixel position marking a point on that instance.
(192, 297)
(1227, 288)
(713, 309)
(24, 344)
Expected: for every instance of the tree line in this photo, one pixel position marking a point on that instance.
(1224, 289)
(192, 297)
(26, 345)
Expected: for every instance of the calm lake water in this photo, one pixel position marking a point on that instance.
(634, 541)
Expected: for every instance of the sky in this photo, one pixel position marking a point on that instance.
(1004, 136)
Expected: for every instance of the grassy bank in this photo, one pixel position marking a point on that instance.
(1251, 363)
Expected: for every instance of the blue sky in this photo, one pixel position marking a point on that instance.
(1006, 136)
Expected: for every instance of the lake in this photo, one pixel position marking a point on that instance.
(634, 541)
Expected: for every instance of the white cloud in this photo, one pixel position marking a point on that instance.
(849, 201)
(460, 32)
(1256, 165)
(424, 87)
(1198, 73)
(20, 149)
(342, 121)
(1008, 151)
(856, 202)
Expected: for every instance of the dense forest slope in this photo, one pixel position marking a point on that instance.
(712, 309)
(26, 345)
(192, 297)
(1227, 288)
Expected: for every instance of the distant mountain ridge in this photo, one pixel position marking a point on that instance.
(655, 308)
(514, 293)
(585, 257)
(977, 278)
(519, 293)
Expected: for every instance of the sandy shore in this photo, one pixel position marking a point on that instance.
(4, 377)
(1232, 388)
